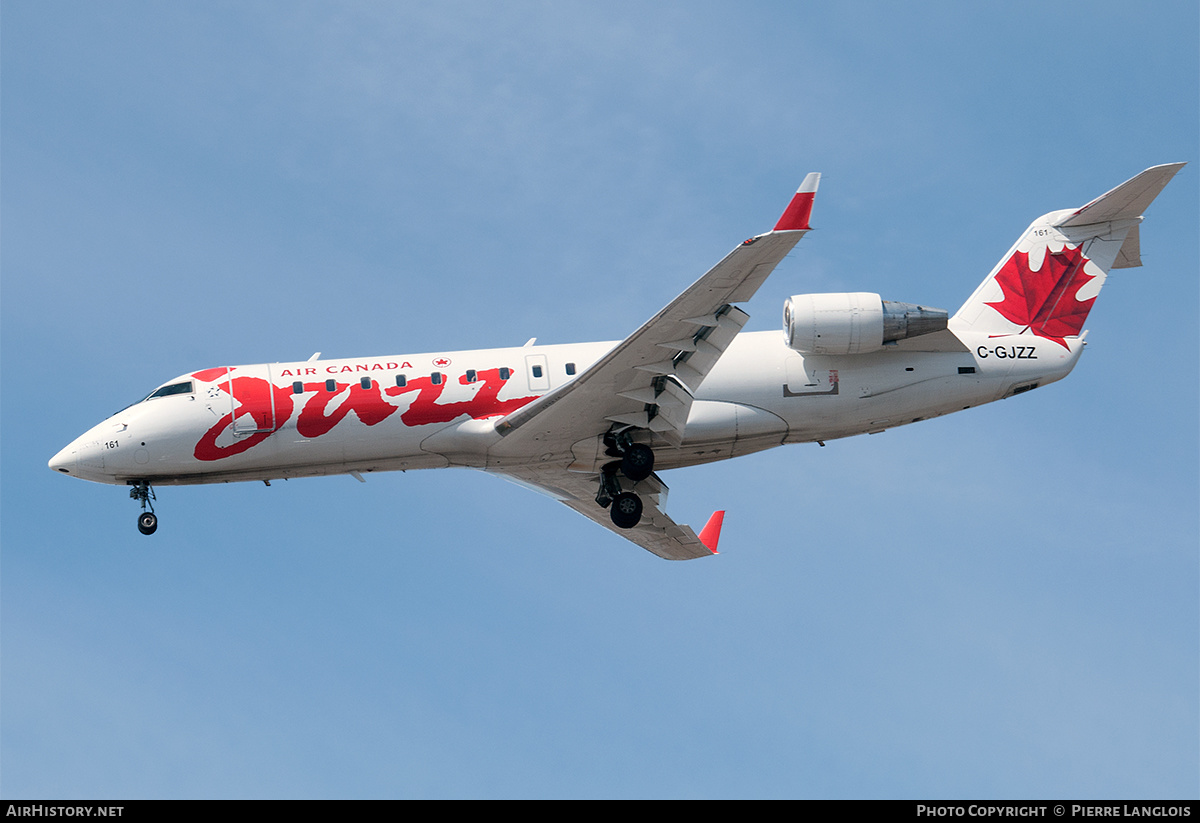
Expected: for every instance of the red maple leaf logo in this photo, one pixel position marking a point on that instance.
(1045, 301)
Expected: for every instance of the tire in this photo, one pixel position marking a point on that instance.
(638, 462)
(626, 510)
(147, 523)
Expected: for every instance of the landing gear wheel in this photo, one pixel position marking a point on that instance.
(626, 510)
(638, 462)
(147, 522)
(144, 494)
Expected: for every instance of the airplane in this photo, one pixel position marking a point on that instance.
(592, 424)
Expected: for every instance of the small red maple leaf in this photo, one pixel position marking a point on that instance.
(1045, 301)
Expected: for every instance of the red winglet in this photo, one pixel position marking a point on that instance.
(795, 216)
(711, 533)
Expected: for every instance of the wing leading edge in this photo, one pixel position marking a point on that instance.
(645, 385)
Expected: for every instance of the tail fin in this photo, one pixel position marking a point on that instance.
(1046, 284)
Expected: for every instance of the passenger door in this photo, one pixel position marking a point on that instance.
(252, 399)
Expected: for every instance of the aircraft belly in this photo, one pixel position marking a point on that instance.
(284, 452)
(276, 472)
(719, 430)
(850, 415)
(716, 420)
(701, 453)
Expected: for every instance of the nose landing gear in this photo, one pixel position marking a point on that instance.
(147, 520)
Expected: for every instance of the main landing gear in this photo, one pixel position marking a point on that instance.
(626, 510)
(636, 463)
(147, 520)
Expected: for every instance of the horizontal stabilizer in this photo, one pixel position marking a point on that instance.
(1045, 286)
(1128, 200)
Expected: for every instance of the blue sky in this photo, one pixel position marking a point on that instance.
(1001, 603)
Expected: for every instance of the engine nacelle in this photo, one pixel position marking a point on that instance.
(853, 322)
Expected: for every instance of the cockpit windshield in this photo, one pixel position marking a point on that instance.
(175, 388)
(186, 387)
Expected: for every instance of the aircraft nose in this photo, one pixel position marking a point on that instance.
(84, 458)
(64, 461)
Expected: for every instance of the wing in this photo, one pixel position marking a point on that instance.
(649, 380)
(645, 385)
(656, 532)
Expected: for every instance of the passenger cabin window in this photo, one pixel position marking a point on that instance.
(570, 368)
(297, 388)
(436, 378)
(471, 375)
(401, 380)
(505, 374)
(365, 382)
(330, 385)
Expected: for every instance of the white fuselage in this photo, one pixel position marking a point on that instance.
(321, 417)
(591, 424)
